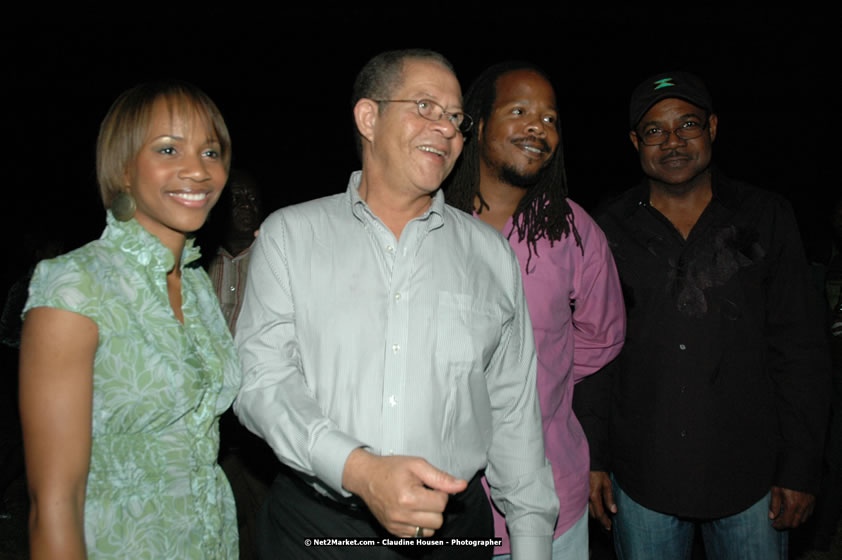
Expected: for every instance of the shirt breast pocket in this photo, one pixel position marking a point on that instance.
(468, 332)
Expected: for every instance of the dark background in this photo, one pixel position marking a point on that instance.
(282, 80)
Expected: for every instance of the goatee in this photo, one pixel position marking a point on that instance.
(515, 178)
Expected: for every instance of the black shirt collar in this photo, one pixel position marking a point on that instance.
(725, 191)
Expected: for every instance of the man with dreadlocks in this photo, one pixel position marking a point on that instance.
(511, 176)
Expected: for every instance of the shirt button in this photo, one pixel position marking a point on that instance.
(395, 348)
(232, 288)
(397, 297)
(683, 433)
(393, 401)
(682, 347)
(390, 248)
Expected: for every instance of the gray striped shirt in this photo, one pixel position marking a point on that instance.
(417, 346)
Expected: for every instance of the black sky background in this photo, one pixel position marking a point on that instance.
(283, 80)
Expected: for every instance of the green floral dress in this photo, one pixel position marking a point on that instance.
(154, 488)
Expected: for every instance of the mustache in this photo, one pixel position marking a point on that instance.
(674, 154)
(533, 140)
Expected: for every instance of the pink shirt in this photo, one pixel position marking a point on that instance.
(579, 322)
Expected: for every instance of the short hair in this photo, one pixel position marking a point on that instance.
(543, 211)
(123, 130)
(383, 74)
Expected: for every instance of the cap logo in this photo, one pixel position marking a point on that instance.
(666, 82)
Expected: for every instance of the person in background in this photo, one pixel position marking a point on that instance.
(242, 211)
(829, 501)
(246, 459)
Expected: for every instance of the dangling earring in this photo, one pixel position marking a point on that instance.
(123, 206)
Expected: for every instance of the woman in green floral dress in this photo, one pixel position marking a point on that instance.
(126, 361)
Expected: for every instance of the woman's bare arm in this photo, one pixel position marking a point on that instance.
(56, 394)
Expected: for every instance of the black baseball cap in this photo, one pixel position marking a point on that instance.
(682, 85)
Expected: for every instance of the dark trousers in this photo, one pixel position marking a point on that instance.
(294, 512)
(250, 466)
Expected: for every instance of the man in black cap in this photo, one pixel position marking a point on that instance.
(714, 412)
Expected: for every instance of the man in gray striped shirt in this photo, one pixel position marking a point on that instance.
(387, 350)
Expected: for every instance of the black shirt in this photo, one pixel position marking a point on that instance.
(721, 390)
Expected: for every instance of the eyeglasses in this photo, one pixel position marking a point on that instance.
(654, 136)
(432, 111)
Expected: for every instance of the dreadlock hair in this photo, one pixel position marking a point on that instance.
(543, 212)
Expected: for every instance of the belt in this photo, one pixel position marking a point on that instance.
(356, 507)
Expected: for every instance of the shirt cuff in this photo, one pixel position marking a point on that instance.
(528, 547)
(328, 458)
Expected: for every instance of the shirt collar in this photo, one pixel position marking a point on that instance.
(358, 204)
(133, 239)
(223, 252)
(723, 190)
(637, 198)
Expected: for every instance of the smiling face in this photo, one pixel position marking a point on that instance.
(676, 162)
(178, 174)
(405, 152)
(520, 136)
